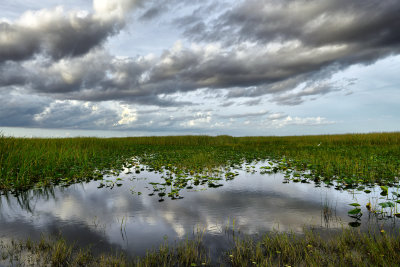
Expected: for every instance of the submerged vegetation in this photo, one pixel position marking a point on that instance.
(351, 159)
(346, 248)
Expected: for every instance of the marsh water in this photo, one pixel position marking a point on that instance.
(129, 217)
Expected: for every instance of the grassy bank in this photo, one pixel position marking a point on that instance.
(347, 248)
(51, 252)
(351, 159)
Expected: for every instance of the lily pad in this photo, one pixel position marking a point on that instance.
(354, 211)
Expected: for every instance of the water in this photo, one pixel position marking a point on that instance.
(127, 218)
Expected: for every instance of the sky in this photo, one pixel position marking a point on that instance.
(189, 67)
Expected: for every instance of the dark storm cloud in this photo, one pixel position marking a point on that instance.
(94, 77)
(243, 71)
(314, 22)
(59, 36)
(57, 33)
(310, 37)
(261, 47)
(12, 74)
(19, 110)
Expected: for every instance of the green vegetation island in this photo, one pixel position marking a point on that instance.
(355, 162)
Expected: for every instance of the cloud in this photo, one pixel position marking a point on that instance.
(313, 22)
(57, 33)
(198, 120)
(277, 116)
(245, 115)
(69, 114)
(96, 76)
(273, 51)
(156, 8)
(280, 120)
(243, 54)
(227, 104)
(309, 89)
(114, 9)
(253, 102)
(298, 41)
(19, 110)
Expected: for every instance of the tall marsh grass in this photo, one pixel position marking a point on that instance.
(344, 248)
(26, 163)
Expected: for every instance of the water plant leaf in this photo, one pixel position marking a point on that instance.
(386, 204)
(348, 181)
(355, 204)
(354, 211)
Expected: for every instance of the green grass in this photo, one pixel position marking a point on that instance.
(56, 252)
(350, 159)
(345, 248)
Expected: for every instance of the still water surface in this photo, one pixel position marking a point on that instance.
(124, 219)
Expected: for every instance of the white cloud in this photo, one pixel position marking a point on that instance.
(200, 119)
(280, 121)
(111, 9)
(128, 115)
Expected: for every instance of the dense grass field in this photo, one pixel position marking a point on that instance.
(358, 158)
(349, 159)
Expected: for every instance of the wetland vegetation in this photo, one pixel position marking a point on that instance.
(346, 248)
(348, 159)
(357, 163)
